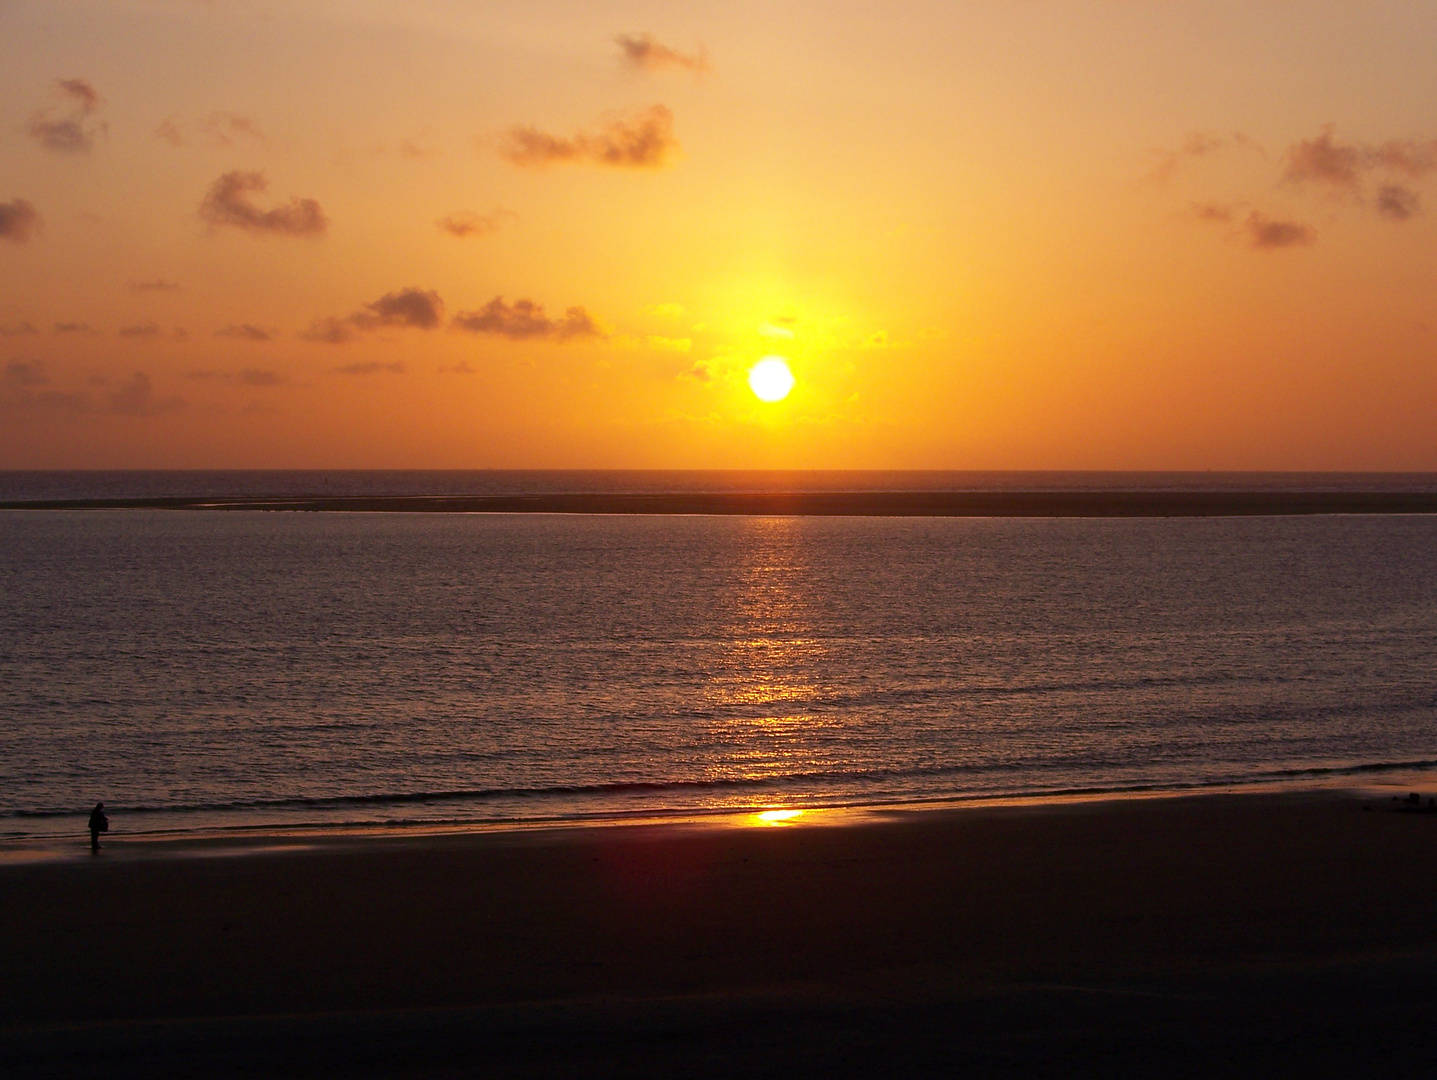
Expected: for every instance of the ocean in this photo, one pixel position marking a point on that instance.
(239, 669)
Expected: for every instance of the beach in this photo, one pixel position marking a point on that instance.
(1127, 935)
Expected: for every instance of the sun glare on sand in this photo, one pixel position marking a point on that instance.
(770, 379)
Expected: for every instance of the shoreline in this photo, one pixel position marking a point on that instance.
(268, 837)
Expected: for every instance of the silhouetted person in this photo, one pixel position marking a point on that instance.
(98, 823)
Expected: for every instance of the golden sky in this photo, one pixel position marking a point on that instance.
(1131, 234)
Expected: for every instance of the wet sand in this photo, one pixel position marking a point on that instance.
(1223, 934)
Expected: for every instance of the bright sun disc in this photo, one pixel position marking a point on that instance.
(770, 379)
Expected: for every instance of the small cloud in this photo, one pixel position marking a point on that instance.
(169, 130)
(769, 330)
(1196, 145)
(69, 131)
(646, 54)
(417, 148)
(701, 370)
(261, 377)
(158, 285)
(75, 328)
(370, 367)
(228, 203)
(1412, 159)
(667, 344)
(1398, 202)
(421, 309)
(329, 331)
(145, 331)
(462, 368)
(19, 221)
(245, 332)
(525, 320)
(642, 141)
(224, 129)
(23, 373)
(667, 311)
(466, 223)
(136, 397)
(85, 96)
(1325, 160)
(18, 329)
(1220, 213)
(1266, 234)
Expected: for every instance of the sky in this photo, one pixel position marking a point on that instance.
(1027, 234)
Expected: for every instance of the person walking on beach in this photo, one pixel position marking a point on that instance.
(98, 823)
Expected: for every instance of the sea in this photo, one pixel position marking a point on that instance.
(230, 670)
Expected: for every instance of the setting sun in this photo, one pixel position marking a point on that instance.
(770, 379)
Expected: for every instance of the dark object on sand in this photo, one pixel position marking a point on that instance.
(98, 823)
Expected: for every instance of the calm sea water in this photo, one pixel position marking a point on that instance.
(214, 669)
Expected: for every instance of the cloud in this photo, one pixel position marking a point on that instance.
(643, 52)
(525, 320)
(466, 223)
(224, 129)
(1196, 145)
(144, 330)
(1397, 202)
(75, 328)
(23, 373)
(370, 367)
(17, 329)
(169, 130)
(228, 203)
(245, 332)
(19, 221)
(158, 285)
(136, 397)
(85, 96)
(421, 309)
(641, 141)
(1266, 234)
(462, 368)
(1324, 160)
(71, 131)
(261, 377)
(329, 330)
(1214, 212)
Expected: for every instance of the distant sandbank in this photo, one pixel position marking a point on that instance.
(1068, 503)
(984, 938)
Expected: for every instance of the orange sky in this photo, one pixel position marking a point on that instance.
(459, 233)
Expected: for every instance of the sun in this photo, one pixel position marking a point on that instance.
(770, 379)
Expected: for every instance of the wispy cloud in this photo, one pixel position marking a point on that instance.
(144, 331)
(19, 221)
(371, 367)
(525, 320)
(1266, 233)
(75, 328)
(260, 377)
(136, 397)
(645, 53)
(1398, 202)
(221, 130)
(228, 203)
(24, 327)
(467, 224)
(643, 140)
(71, 128)
(24, 373)
(245, 332)
(419, 309)
(1197, 145)
(159, 285)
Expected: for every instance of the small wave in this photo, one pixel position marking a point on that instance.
(774, 783)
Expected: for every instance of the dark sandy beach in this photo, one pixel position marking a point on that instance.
(1217, 935)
